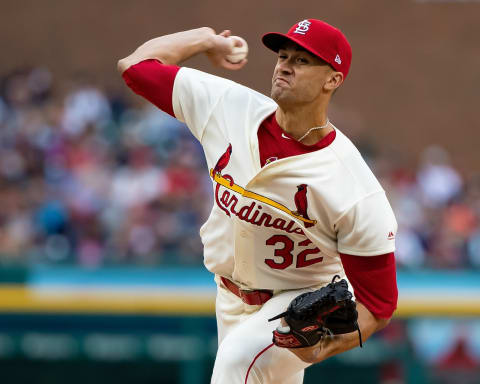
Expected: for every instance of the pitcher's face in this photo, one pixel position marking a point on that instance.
(299, 76)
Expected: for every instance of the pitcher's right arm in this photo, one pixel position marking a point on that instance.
(174, 48)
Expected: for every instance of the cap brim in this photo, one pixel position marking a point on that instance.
(275, 40)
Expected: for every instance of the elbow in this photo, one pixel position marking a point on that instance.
(122, 65)
(382, 323)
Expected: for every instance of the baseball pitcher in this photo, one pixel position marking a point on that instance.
(301, 232)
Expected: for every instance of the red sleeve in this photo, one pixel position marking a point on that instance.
(374, 282)
(154, 81)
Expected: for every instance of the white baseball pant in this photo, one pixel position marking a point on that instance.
(246, 354)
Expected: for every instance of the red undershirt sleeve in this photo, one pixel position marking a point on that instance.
(374, 282)
(154, 81)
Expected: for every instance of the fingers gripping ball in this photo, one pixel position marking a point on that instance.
(239, 51)
(313, 315)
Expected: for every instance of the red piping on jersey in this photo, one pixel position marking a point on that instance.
(255, 359)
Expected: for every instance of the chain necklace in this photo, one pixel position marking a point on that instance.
(314, 128)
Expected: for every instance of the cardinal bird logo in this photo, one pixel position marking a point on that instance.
(301, 203)
(223, 161)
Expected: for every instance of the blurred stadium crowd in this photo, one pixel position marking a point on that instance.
(88, 179)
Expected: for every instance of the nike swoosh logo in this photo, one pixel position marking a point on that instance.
(286, 137)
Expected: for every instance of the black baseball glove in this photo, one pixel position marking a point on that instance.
(312, 315)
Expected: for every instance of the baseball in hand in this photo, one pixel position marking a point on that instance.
(239, 52)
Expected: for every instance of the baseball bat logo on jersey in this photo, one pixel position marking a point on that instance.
(252, 213)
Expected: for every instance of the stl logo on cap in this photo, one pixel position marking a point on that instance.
(302, 27)
(338, 60)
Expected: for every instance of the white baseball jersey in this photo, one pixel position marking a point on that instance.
(265, 231)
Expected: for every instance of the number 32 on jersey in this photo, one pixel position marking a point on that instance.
(283, 256)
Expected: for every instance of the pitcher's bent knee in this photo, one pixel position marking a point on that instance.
(234, 363)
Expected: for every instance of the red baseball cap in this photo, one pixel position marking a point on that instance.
(318, 38)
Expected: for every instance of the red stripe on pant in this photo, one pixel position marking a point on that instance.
(255, 359)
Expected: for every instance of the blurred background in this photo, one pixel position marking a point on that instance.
(102, 195)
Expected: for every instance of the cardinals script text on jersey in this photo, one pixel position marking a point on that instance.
(227, 201)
